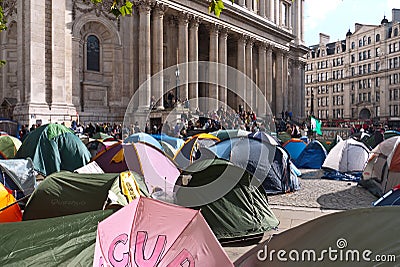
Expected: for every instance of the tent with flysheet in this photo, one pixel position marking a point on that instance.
(66, 193)
(9, 146)
(265, 160)
(309, 243)
(312, 157)
(143, 137)
(382, 172)
(346, 160)
(159, 171)
(61, 241)
(391, 198)
(153, 233)
(54, 147)
(191, 150)
(294, 146)
(228, 199)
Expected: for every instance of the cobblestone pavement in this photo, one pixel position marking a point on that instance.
(325, 194)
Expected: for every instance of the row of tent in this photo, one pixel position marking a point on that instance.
(134, 171)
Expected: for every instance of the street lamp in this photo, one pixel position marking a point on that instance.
(177, 73)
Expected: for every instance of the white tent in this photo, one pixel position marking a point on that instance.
(347, 156)
(382, 172)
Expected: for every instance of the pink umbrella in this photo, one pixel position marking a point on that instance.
(148, 232)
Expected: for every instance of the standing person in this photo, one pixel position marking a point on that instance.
(136, 128)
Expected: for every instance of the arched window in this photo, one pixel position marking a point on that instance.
(364, 40)
(353, 45)
(377, 37)
(396, 32)
(369, 39)
(93, 53)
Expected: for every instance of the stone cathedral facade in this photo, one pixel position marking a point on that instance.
(70, 58)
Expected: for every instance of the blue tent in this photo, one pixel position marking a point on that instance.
(143, 137)
(175, 142)
(294, 147)
(312, 157)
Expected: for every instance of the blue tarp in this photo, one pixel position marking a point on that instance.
(312, 157)
(340, 176)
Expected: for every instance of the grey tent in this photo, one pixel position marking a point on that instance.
(232, 206)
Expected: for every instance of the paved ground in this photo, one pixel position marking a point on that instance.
(317, 197)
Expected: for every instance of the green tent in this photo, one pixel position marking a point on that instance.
(54, 147)
(350, 238)
(62, 241)
(232, 206)
(66, 193)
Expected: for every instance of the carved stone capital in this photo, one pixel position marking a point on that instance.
(159, 9)
(223, 32)
(195, 21)
(183, 18)
(143, 6)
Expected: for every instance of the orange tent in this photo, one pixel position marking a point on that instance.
(12, 213)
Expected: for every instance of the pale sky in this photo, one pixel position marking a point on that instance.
(336, 17)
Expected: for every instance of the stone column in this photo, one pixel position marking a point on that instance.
(241, 66)
(279, 107)
(249, 73)
(158, 54)
(249, 4)
(144, 55)
(213, 70)
(269, 66)
(194, 58)
(183, 56)
(285, 83)
(223, 60)
(302, 89)
(241, 2)
(262, 92)
(58, 53)
(262, 8)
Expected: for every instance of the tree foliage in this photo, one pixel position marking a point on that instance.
(125, 7)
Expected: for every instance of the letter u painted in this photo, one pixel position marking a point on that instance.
(155, 257)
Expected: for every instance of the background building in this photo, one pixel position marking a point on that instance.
(70, 58)
(356, 79)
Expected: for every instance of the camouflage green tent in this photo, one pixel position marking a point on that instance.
(62, 241)
(54, 147)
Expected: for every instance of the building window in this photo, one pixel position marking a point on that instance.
(377, 37)
(360, 43)
(369, 39)
(285, 14)
(377, 81)
(377, 97)
(353, 45)
(353, 58)
(93, 53)
(396, 32)
(377, 65)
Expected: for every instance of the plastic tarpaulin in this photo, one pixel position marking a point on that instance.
(18, 175)
(62, 241)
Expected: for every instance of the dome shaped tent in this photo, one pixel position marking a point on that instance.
(54, 147)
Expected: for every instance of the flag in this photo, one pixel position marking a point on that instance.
(316, 125)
